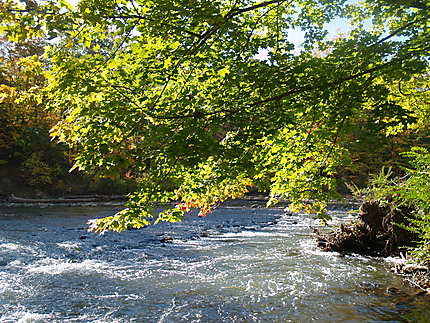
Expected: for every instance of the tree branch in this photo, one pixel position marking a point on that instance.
(139, 17)
(320, 86)
(395, 32)
(235, 12)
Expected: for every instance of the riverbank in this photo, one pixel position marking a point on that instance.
(254, 200)
(380, 231)
(16, 182)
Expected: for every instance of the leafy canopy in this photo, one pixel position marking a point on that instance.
(177, 93)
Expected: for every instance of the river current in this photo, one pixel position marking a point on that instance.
(235, 265)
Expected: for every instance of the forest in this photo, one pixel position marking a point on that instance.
(203, 101)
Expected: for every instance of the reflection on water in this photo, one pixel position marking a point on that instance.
(236, 265)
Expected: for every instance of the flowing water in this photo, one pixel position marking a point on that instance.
(235, 265)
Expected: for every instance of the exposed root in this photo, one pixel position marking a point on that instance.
(375, 233)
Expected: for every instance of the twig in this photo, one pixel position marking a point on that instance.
(415, 284)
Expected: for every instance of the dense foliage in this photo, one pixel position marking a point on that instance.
(411, 191)
(30, 161)
(21, 78)
(24, 121)
(203, 99)
(414, 190)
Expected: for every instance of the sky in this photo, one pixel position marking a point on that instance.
(296, 36)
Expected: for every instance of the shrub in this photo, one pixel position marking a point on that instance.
(411, 190)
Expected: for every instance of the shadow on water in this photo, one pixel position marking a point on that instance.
(236, 265)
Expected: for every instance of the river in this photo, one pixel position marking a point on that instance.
(235, 265)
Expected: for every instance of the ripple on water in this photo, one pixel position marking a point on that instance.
(26, 317)
(239, 265)
(17, 250)
(50, 266)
